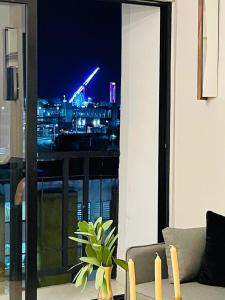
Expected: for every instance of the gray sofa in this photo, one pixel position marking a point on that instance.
(144, 258)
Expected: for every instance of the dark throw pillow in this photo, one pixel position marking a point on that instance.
(212, 270)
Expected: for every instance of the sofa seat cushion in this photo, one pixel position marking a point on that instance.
(190, 291)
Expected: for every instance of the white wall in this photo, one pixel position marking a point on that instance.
(139, 127)
(197, 133)
(198, 158)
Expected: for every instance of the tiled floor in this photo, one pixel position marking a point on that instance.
(69, 292)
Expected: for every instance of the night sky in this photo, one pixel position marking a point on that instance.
(75, 37)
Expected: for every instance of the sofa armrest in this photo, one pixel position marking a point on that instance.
(144, 259)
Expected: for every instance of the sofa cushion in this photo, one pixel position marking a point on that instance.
(213, 265)
(190, 291)
(190, 244)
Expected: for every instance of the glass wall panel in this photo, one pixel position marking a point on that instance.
(78, 110)
(60, 207)
(12, 150)
(78, 105)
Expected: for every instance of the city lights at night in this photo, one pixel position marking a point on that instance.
(79, 78)
(83, 86)
(80, 118)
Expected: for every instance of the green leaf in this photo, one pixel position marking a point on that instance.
(83, 226)
(107, 224)
(99, 251)
(113, 242)
(109, 236)
(90, 260)
(78, 273)
(105, 255)
(79, 240)
(121, 263)
(90, 226)
(99, 234)
(83, 233)
(93, 240)
(84, 282)
(91, 229)
(98, 221)
(90, 269)
(74, 266)
(90, 251)
(97, 247)
(109, 259)
(80, 277)
(99, 277)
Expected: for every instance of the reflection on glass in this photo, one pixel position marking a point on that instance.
(12, 153)
(11, 63)
(56, 253)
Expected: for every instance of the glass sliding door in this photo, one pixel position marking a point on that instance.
(78, 128)
(13, 156)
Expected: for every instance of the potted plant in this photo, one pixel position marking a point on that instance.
(99, 242)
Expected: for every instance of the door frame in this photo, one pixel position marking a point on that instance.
(164, 106)
(30, 149)
(31, 135)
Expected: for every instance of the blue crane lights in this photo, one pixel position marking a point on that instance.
(79, 94)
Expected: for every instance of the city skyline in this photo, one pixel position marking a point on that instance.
(73, 41)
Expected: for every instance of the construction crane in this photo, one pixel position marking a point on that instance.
(81, 89)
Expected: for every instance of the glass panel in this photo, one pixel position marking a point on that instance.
(79, 97)
(12, 150)
(60, 206)
(49, 228)
(78, 112)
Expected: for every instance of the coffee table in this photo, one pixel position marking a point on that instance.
(118, 297)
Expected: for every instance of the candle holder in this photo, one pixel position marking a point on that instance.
(177, 298)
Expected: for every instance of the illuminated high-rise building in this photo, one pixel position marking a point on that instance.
(63, 111)
(112, 92)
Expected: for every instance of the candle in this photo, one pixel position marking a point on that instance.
(158, 278)
(176, 274)
(132, 279)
